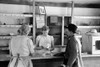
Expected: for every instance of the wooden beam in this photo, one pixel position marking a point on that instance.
(56, 4)
(88, 5)
(21, 2)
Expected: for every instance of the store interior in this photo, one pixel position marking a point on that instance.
(56, 14)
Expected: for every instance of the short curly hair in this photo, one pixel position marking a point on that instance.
(24, 29)
(44, 28)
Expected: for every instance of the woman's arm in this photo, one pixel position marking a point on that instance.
(31, 47)
(37, 43)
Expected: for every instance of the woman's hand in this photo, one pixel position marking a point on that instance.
(38, 48)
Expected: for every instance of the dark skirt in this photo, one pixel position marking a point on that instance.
(74, 65)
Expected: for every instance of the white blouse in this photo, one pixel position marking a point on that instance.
(45, 41)
(22, 45)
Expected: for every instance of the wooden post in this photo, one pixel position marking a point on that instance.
(45, 15)
(34, 27)
(62, 31)
(72, 12)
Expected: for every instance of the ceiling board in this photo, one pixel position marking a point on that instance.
(76, 1)
(54, 1)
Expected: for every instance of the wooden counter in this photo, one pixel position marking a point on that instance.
(37, 61)
(88, 60)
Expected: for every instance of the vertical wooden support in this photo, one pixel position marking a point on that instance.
(45, 15)
(34, 27)
(72, 12)
(62, 31)
(72, 7)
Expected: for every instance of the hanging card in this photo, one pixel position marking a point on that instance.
(40, 21)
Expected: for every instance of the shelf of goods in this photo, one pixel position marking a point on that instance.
(11, 20)
(87, 21)
(9, 37)
(87, 17)
(88, 26)
(13, 26)
(16, 15)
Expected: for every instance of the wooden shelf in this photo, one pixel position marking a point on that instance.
(9, 37)
(5, 37)
(4, 48)
(56, 26)
(12, 26)
(88, 26)
(87, 17)
(17, 15)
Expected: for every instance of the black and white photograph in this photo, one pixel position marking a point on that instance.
(49, 33)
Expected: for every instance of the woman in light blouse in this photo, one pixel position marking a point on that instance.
(45, 41)
(21, 47)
